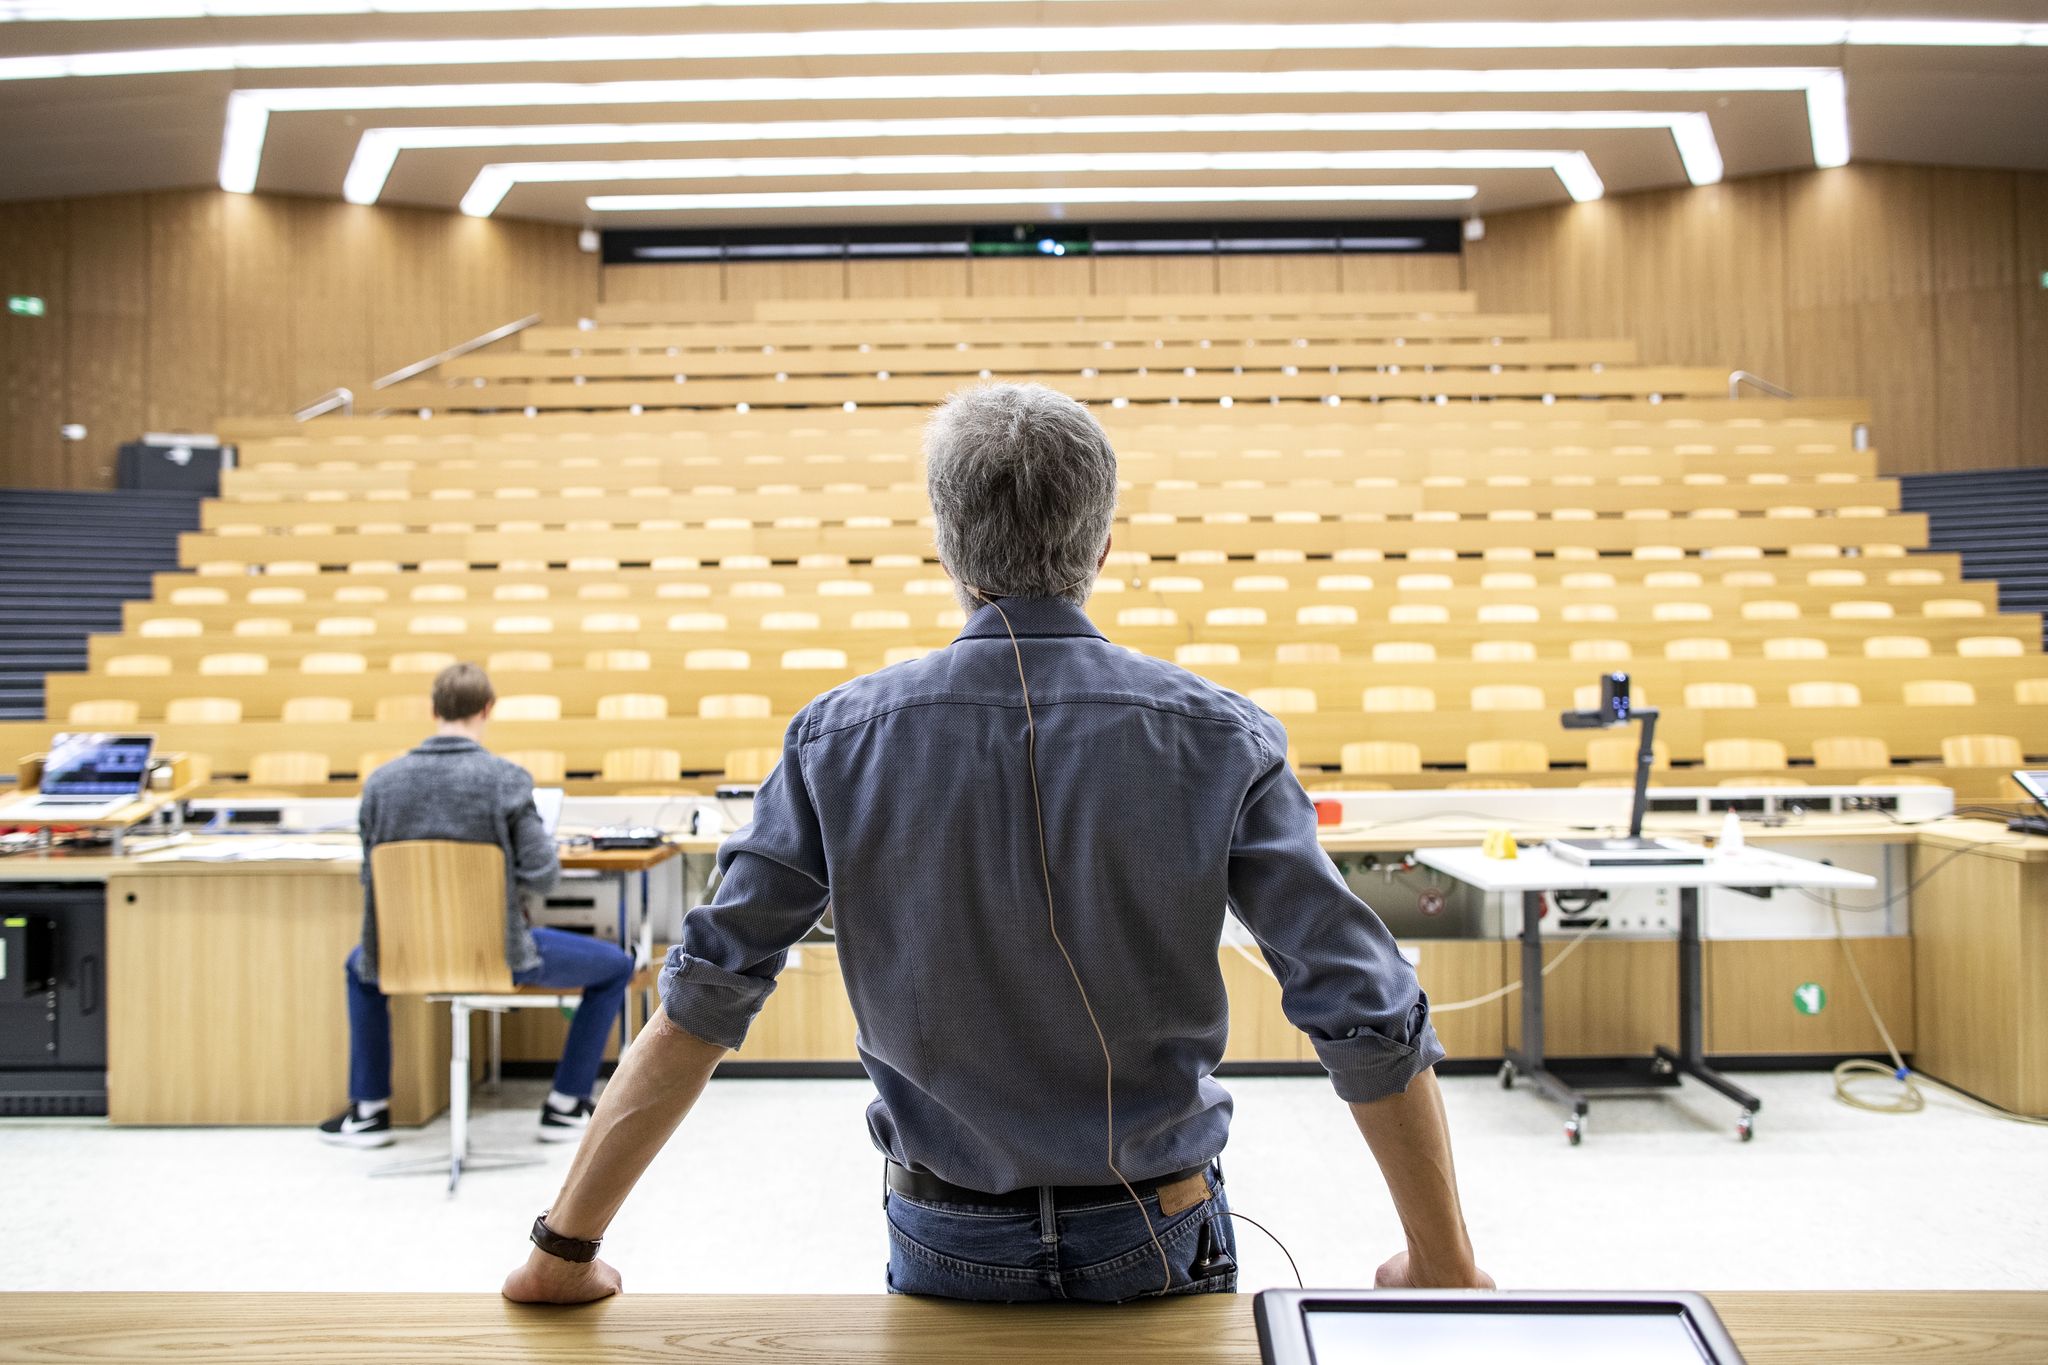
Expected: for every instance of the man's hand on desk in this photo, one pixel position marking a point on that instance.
(548, 1279)
(1402, 1271)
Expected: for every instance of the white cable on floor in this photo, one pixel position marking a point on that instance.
(1909, 1099)
(1477, 1000)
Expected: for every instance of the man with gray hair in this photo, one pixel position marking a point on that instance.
(1027, 841)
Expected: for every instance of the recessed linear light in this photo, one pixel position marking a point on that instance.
(42, 11)
(249, 111)
(492, 183)
(1741, 33)
(1033, 196)
(1827, 120)
(379, 148)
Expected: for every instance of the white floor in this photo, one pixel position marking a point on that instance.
(771, 1187)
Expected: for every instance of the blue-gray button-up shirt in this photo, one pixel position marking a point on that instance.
(903, 801)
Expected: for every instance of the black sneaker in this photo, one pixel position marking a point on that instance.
(353, 1128)
(558, 1125)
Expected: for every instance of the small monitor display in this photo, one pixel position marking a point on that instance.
(2036, 785)
(97, 765)
(1346, 1336)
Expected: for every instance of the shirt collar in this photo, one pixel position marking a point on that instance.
(1038, 618)
(447, 744)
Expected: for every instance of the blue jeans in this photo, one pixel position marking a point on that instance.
(1097, 1252)
(566, 960)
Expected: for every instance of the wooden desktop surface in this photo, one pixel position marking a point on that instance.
(1884, 1328)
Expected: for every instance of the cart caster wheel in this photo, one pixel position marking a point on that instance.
(1745, 1127)
(1572, 1131)
(1507, 1075)
(1661, 1067)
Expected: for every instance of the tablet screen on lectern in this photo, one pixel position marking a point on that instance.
(2036, 785)
(1351, 1334)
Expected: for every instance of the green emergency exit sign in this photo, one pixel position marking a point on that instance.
(25, 305)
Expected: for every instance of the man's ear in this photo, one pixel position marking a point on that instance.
(1103, 558)
(489, 707)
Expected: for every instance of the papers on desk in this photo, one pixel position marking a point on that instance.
(256, 851)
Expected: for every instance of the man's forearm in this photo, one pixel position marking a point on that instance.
(657, 1082)
(1411, 1141)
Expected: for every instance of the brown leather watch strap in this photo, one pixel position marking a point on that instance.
(560, 1247)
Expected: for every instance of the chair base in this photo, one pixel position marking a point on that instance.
(454, 1166)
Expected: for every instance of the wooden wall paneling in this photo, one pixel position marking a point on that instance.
(2030, 219)
(1976, 323)
(746, 280)
(1013, 276)
(1318, 274)
(232, 1011)
(32, 350)
(107, 362)
(1259, 1030)
(809, 1017)
(906, 279)
(480, 292)
(683, 282)
(186, 264)
(409, 286)
(552, 275)
(1749, 983)
(1980, 965)
(1591, 272)
(259, 375)
(1363, 274)
(330, 287)
(1155, 275)
(1452, 970)
(1706, 269)
(1614, 998)
(1509, 268)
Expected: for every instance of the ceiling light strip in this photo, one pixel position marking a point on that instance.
(242, 152)
(1543, 36)
(495, 181)
(1032, 197)
(378, 150)
(44, 11)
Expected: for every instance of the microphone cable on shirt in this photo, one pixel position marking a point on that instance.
(1052, 923)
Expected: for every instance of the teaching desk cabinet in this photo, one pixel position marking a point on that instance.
(226, 998)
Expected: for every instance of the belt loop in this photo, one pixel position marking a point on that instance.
(1048, 1217)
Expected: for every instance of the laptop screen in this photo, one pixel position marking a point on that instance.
(2035, 785)
(548, 801)
(97, 765)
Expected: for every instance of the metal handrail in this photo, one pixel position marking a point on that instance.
(1737, 378)
(328, 402)
(475, 343)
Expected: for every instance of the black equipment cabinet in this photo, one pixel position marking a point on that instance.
(53, 1032)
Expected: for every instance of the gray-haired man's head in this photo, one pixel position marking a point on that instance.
(1023, 489)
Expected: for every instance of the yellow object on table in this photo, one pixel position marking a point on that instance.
(1500, 843)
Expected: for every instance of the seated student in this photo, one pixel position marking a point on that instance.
(450, 788)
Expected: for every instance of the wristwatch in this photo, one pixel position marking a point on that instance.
(560, 1247)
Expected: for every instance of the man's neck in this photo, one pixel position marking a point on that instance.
(461, 729)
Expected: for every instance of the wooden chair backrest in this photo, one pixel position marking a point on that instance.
(440, 917)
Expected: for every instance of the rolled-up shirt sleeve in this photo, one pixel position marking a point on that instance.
(1343, 981)
(773, 890)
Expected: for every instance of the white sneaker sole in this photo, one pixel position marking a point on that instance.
(362, 1140)
(550, 1133)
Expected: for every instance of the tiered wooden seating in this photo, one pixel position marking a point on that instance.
(1416, 586)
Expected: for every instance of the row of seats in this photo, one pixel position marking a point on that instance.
(1756, 759)
(1716, 696)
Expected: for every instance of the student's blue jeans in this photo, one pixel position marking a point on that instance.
(566, 960)
(1096, 1252)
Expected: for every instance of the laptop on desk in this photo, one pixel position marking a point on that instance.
(86, 777)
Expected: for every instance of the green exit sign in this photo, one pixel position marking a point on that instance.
(25, 305)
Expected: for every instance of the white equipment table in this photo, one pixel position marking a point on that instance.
(1537, 871)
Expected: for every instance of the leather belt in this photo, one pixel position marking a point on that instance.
(928, 1188)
